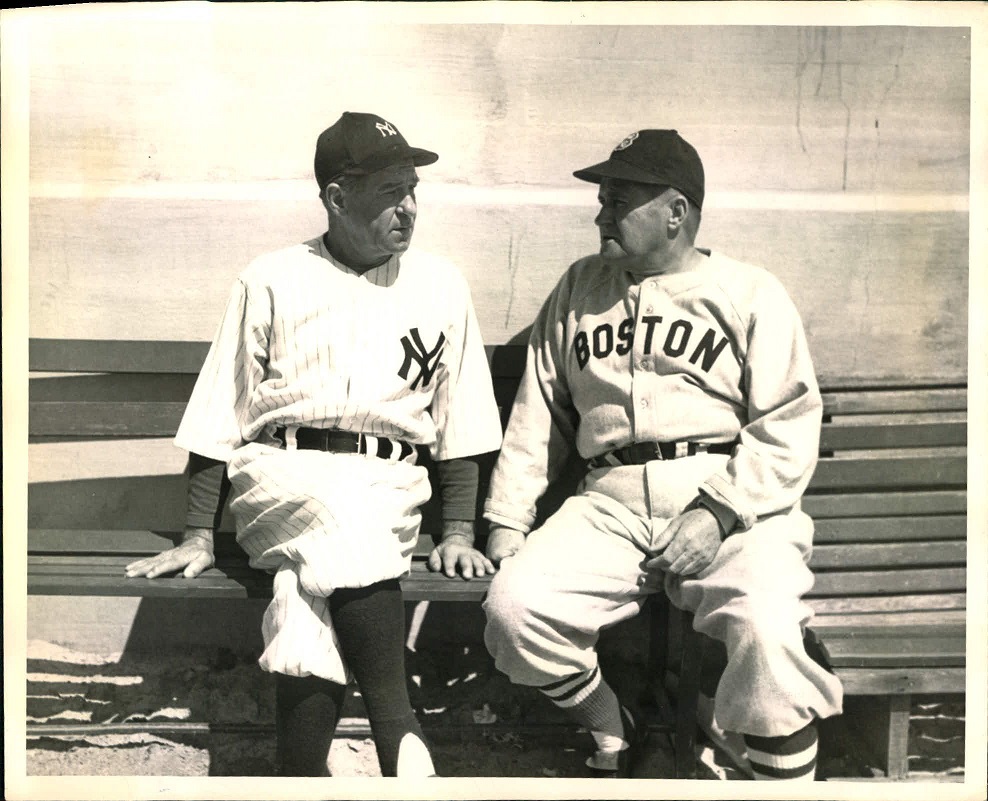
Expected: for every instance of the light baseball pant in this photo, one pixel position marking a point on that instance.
(320, 521)
(583, 571)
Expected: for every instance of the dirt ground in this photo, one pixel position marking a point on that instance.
(478, 723)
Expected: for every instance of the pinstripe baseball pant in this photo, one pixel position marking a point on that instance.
(321, 521)
(583, 571)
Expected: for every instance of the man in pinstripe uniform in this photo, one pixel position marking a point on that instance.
(334, 362)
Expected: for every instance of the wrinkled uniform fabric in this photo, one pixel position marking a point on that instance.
(395, 352)
(709, 355)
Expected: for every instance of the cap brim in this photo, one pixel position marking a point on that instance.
(395, 155)
(616, 169)
(423, 158)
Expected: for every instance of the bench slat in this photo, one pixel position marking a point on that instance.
(888, 529)
(898, 582)
(951, 399)
(834, 437)
(878, 504)
(137, 543)
(946, 649)
(887, 555)
(114, 565)
(112, 388)
(104, 419)
(864, 622)
(202, 587)
(901, 681)
(104, 576)
(115, 356)
(888, 603)
(423, 585)
(891, 472)
(103, 541)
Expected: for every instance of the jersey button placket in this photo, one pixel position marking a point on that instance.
(642, 365)
(639, 402)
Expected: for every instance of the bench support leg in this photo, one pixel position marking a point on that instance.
(688, 693)
(898, 737)
(658, 657)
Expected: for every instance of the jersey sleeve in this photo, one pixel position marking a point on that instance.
(772, 466)
(542, 427)
(234, 366)
(464, 409)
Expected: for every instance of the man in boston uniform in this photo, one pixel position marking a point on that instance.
(683, 379)
(334, 362)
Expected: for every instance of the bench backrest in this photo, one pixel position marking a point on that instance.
(888, 496)
(889, 502)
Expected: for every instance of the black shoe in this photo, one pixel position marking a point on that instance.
(627, 759)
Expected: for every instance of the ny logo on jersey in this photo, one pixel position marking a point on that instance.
(427, 360)
(385, 128)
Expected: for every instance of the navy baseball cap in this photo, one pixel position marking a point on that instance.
(360, 144)
(652, 156)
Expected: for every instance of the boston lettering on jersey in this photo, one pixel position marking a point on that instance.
(427, 360)
(680, 339)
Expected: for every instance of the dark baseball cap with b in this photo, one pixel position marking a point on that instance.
(652, 156)
(360, 144)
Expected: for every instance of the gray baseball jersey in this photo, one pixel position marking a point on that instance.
(704, 356)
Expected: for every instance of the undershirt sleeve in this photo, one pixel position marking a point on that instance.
(208, 488)
(458, 481)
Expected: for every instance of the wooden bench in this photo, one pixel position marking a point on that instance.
(888, 499)
(102, 391)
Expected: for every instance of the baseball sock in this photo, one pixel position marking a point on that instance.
(370, 625)
(306, 713)
(592, 703)
(791, 757)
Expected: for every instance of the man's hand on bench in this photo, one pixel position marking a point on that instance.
(455, 555)
(503, 543)
(194, 555)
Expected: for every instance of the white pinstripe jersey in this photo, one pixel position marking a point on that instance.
(703, 356)
(305, 341)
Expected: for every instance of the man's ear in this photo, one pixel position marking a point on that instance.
(333, 198)
(679, 211)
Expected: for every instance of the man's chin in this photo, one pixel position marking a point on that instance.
(612, 253)
(394, 248)
(402, 236)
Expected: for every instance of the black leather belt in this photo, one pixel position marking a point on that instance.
(642, 452)
(335, 440)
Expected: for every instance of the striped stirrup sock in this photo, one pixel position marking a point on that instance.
(788, 758)
(590, 702)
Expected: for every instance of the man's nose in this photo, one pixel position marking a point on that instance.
(603, 216)
(408, 206)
